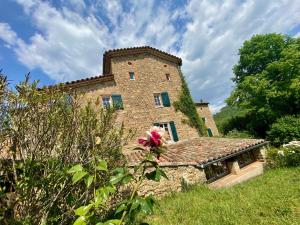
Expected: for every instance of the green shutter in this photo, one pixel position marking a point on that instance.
(209, 132)
(117, 101)
(156, 124)
(165, 99)
(174, 132)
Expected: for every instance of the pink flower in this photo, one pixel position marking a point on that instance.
(154, 140)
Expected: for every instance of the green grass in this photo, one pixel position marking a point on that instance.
(273, 198)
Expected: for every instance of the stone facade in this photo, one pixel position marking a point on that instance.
(206, 115)
(177, 176)
(150, 77)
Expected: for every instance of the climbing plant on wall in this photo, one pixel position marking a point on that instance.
(186, 105)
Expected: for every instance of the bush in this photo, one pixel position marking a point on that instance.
(43, 133)
(284, 130)
(284, 156)
(238, 134)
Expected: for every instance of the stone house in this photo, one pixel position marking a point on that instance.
(143, 82)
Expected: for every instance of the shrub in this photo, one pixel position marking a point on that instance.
(284, 130)
(284, 156)
(43, 132)
(238, 134)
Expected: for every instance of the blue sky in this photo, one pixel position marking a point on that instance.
(61, 40)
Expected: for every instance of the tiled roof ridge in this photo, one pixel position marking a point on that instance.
(80, 81)
(140, 48)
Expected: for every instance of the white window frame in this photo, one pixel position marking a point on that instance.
(157, 95)
(130, 76)
(107, 97)
(162, 125)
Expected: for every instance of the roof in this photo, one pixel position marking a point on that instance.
(84, 81)
(199, 151)
(136, 50)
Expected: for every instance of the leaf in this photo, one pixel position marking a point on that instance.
(78, 176)
(116, 179)
(127, 179)
(146, 206)
(102, 165)
(80, 221)
(121, 208)
(98, 200)
(83, 210)
(89, 181)
(75, 168)
(135, 203)
(156, 174)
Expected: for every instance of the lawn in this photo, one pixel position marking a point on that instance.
(273, 198)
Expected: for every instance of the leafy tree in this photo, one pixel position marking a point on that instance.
(284, 130)
(267, 79)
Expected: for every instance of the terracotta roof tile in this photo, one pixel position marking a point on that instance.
(82, 81)
(198, 151)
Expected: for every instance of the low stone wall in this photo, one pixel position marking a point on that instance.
(176, 176)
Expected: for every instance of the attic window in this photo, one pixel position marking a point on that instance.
(131, 76)
(168, 77)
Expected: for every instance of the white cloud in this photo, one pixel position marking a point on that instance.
(216, 32)
(70, 38)
(7, 34)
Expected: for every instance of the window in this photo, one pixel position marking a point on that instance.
(162, 99)
(216, 170)
(168, 77)
(106, 101)
(245, 159)
(170, 128)
(204, 119)
(157, 100)
(209, 132)
(131, 76)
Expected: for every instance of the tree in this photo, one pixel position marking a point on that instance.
(267, 78)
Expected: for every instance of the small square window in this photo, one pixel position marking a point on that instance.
(157, 99)
(168, 77)
(131, 76)
(106, 101)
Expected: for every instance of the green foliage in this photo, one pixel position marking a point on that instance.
(267, 79)
(238, 134)
(44, 133)
(125, 210)
(225, 119)
(284, 156)
(272, 198)
(284, 130)
(186, 105)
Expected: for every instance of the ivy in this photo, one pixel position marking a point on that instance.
(186, 105)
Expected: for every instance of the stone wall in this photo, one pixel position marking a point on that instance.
(176, 175)
(139, 111)
(205, 112)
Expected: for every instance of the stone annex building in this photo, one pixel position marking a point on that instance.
(143, 82)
